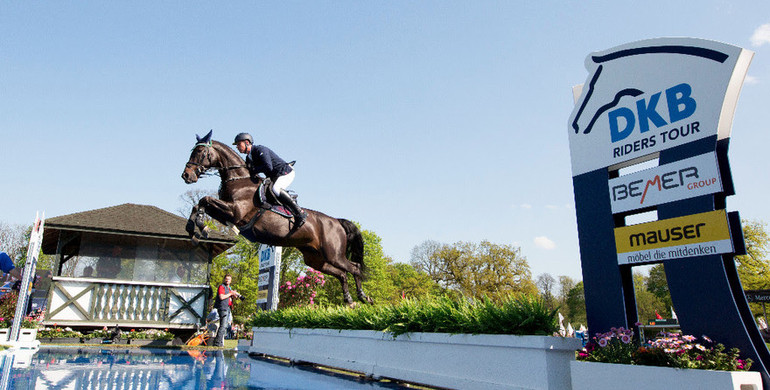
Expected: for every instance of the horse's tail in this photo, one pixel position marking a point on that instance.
(355, 248)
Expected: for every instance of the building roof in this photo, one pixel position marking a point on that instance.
(127, 219)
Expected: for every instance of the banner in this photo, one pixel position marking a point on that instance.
(689, 236)
(683, 179)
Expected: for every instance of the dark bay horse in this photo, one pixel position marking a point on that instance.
(322, 240)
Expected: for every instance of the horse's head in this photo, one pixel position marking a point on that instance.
(202, 157)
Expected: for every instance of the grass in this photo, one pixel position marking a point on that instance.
(521, 315)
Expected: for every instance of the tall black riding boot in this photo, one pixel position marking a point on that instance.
(288, 201)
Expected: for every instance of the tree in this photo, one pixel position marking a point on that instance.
(545, 282)
(12, 241)
(475, 270)
(565, 285)
(646, 302)
(411, 283)
(576, 304)
(753, 267)
(242, 262)
(658, 285)
(429, 257)
(190, 198)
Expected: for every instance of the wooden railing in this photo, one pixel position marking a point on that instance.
(80, 301)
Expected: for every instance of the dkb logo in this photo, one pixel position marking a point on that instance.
(679, 100)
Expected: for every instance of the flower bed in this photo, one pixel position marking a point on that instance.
(148, 334)
(668, 350)
(58, 333)
(669, 361)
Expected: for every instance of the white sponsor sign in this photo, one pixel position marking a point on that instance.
(264, 279)
(266, 256)
(647, 96)
(683, 179)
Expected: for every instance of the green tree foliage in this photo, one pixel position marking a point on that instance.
(646, 302)
(412, 284)
(576, 304)
(475, 270)
(658, 285)
(754, 267)
(242, 262)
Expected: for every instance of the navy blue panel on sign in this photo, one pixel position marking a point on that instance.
(706, 291)
(602, 279)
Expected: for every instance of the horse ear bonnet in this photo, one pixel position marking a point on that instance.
(206, 139)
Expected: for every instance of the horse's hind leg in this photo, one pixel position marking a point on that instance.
(358, 277)
(342, 276)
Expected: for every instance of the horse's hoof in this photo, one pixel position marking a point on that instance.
(194, 239)
(205, 232)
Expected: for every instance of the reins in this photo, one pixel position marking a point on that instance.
(201, 170)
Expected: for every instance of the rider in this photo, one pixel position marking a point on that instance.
(260, 159)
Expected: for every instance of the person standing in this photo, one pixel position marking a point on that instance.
(223, 303)
(260, 159)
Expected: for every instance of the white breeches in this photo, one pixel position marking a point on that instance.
(282, 182)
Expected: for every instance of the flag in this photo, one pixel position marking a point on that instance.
(658, 316)
(562, 331)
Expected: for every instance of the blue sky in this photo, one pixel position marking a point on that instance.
(420, 120)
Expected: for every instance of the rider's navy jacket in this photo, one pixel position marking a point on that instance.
(263, 160)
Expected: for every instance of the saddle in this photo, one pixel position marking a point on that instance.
(265, 199)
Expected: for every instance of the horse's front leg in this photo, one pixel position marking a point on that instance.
(191, 224)
(217, 209)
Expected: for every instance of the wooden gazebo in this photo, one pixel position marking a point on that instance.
(128, 265)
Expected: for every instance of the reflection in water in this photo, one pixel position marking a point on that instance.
(158, 369)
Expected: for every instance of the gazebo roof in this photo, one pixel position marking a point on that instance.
(128, 219)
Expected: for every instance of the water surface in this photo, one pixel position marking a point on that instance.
(159, 369)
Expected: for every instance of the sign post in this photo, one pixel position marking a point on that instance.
(670, 99)
(269, 276)
(25, 288)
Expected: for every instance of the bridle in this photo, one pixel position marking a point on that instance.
(205, 163)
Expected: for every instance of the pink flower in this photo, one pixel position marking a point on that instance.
(603, 342)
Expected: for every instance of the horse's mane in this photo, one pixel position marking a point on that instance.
(226, 152)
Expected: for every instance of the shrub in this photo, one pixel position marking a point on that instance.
(303, 291)
(521, 315)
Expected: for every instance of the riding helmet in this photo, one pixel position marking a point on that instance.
(243, 136)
